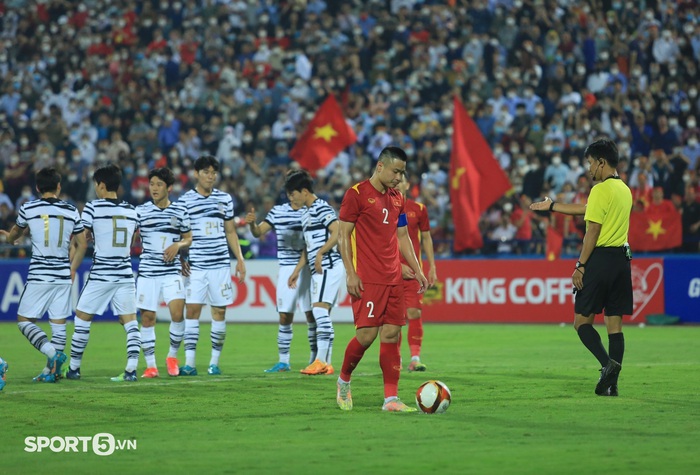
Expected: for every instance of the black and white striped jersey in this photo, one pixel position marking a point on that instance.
(51, 224)
(160, 228)
(112, 223)
(315, 221)
(286, 221)
(209, 249)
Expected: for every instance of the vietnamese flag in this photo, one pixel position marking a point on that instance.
(325, 137)
(656, 229)
(476, 179)
(555, 241)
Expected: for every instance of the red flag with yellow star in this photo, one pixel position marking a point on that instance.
(656, 229)
(476, 179)
(325, 137)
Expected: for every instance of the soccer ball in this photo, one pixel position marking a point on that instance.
(433, 397)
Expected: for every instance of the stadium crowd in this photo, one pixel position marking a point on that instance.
(154, 83)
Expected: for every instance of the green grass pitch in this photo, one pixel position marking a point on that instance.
(523, 403)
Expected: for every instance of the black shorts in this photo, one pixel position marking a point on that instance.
(607, 284)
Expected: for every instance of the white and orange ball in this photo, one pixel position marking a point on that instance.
(433, 397)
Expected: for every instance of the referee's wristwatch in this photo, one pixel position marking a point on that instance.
(580, 265)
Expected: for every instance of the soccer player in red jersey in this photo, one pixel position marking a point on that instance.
(419, 232)
(372, 232)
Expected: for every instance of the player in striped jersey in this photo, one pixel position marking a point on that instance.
(286, 221)
(58, 247)
(419, 232)
(213, 234)
(165, 231)
(321, 228)
(112, 224)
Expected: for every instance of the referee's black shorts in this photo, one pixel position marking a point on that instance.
(607, 284)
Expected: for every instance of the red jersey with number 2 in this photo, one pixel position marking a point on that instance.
(375, 248)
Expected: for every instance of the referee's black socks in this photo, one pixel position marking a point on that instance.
(591, 339)
(616, 346)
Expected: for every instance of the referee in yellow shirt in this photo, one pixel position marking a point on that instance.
(602, 278)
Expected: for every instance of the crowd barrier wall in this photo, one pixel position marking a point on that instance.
(469, 290)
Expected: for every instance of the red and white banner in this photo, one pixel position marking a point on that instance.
(525, 291)
(473, 290)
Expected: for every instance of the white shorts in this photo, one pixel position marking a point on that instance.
(151, 290)
(38, 298)
(212, 286)
(287, 298)
(324, 287)
(96, 296)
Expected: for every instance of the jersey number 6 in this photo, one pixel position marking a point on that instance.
(116, 231)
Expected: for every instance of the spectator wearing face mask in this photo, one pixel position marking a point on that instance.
(575, 170)
(74, 186)
(663, 170)
(118, 148)
(518, 172)
(282, 125)
(139, 185)
(555, 136)
(138, 132)
(8, 147)
(642, 165)
(665, 48)
(664, 138)
(691, 153)
(533, 181)
(88, 151)
(531, 101)
(26, 195)
(379, 140)
(169, 131)
(434, 175)
(535, 134)
(503, 157)
(520, 125)
(504, 234)
(485, 121)
(556, 173)
(642, 134)
(691, 128)
(86, 128)
(496, 101)
(641, 193)
(14, 176)
(616, 77)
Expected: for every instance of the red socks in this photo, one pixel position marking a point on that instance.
(390, 362)
(353, 354)
(415, 335)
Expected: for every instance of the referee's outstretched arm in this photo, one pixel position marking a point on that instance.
(573, 209)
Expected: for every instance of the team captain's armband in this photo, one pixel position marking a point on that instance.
(402, 220)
